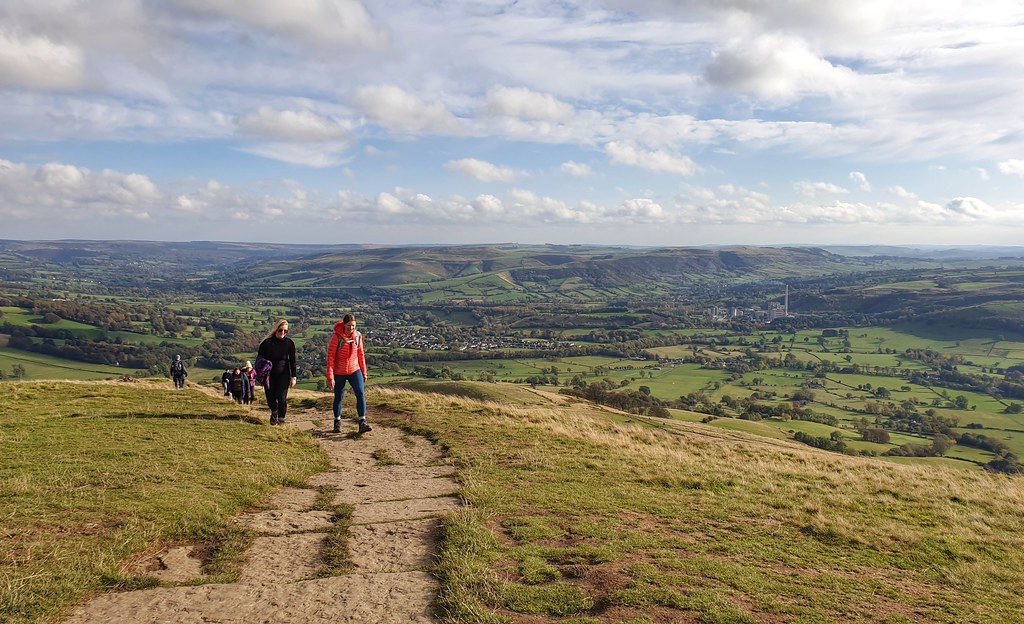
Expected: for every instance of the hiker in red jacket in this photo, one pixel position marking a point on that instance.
(346, 362)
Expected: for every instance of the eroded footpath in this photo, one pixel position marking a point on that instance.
(397, 484)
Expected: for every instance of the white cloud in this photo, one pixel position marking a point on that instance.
(902, 193)
(318, 155)
(971, 208)
(658, 160)
(397, 109)
(811, 189)
(66, 193)
(643, 210)
(187, 204)
(38, 63)
(482, 170)
(527, 204)
(526, 104)
(575, 169)
(324, 24)
(861, 180)
(301, 125)
(69, 44)
(489, 205)
(825, 88)
(731, 205)
(389, 204)
(776, 68)
(62, 191)
(1012, 167)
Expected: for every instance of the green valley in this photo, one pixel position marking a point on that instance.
(898, 355)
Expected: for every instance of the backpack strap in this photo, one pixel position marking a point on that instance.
(357, 341)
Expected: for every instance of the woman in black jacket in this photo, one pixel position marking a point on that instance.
(279, 349)
(239, 386)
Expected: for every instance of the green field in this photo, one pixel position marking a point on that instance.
(39, 366)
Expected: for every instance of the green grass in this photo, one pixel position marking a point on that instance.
(576, 516)
(94, 473)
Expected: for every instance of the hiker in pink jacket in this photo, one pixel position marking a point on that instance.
(346, 362)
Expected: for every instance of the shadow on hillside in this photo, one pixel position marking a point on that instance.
(948, 334)
(252, 419)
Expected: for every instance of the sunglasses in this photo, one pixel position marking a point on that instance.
(282, 331)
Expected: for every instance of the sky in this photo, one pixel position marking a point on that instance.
(618, 122)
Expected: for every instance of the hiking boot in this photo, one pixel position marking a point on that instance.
(337, 426)
(273, 418)
(364, 428)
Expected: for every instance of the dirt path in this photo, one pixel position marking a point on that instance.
(391, 544)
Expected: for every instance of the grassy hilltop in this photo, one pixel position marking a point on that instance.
(574, 512)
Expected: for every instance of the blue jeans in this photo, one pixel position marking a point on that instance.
(356, 381)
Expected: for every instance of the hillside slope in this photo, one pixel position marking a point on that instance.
(543, 272)
(579, 511)
(571, 510)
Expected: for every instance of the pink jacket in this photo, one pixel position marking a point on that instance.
(345, 353)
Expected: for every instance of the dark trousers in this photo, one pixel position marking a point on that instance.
(277, 395)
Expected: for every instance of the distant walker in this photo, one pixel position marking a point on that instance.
(178, 372)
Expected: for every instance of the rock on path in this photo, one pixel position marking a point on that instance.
(391, 543)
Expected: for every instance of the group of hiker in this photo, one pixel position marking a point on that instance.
(275, 370)
(240, 383)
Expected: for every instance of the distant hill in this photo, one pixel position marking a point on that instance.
(964, 252)
(483, 273)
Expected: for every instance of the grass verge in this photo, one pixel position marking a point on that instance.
(95, 473)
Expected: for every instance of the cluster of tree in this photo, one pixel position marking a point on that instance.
(983, 442)
(785, 411)
(633, 401)
(1011, 386)
(429, 372)
(153, 358)
(928, 423)
(938, 447)
(874, 434)
(111, 317)
(36, 331)
(832, 443)
(934, 358)
(17, 372)
(1007, 463)
(85, 350)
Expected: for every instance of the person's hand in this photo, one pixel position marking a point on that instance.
(292, 384)
(330, 383)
